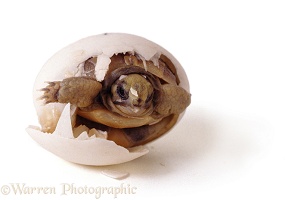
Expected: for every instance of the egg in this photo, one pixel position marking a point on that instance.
(101, 99)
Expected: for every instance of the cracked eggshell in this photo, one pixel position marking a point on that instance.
(65, 63)
(87, 151)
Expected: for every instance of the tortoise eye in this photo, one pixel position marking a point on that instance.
(122, 92)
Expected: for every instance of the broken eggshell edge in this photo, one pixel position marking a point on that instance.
(95, 151)
(64, 64)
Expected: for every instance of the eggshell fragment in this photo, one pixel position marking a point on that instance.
(115, 174)
(95, 151)
(86, 149)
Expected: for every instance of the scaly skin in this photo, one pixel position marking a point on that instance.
(80, 91)
(175, 100)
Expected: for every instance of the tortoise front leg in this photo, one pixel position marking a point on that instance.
(79, 91)
(175, 100)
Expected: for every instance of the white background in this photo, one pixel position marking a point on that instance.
(230, 143)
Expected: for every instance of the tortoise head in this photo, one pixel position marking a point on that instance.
(131, 92)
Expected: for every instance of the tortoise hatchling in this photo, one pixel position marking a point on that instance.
(119, 89)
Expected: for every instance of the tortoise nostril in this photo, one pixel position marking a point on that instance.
(139, 100)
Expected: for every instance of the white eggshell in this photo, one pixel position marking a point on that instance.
(83, 149)
(91, 151)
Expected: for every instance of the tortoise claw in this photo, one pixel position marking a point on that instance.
(50, 92)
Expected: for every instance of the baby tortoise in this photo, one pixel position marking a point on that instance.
(136, 102)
